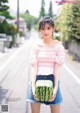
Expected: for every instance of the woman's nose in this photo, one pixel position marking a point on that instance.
(46, 30)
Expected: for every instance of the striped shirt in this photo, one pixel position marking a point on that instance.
(46, 57)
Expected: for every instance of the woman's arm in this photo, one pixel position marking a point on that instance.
(33, 79)
(59, 60)
(57, 69)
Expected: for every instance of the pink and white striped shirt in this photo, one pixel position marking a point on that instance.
(46, 56)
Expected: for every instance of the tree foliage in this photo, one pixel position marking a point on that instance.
(4, 9)
(68, 21)
(30, 20)
(5, 27)
(42, 10)
(50, 9)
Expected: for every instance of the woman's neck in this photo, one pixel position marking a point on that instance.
(48, 41)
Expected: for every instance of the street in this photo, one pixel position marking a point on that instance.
(14, 79)
(15, 75)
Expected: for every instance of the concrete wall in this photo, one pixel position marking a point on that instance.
(74, 48)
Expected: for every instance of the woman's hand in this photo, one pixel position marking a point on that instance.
(54, 95)
(35, 97)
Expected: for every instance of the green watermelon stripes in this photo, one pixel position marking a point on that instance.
(44, 90)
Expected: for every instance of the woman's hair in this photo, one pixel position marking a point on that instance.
(46, 20)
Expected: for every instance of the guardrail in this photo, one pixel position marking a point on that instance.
(4, 41)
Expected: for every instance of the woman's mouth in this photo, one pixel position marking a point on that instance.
(45, 34)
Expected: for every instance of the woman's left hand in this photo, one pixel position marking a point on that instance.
(54, 95)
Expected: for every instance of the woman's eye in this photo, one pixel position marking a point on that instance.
(42, 28)
(49, 28)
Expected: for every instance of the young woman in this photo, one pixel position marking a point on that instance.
(46, 59)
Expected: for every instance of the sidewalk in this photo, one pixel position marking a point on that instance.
(13, 79)
(74, 65)
(4, 56)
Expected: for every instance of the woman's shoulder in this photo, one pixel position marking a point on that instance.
(40, 43)
(33, 44)
(58, 43)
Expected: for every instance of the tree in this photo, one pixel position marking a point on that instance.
(4, 9)
(67, 23)
(5, 27)
(50, 9)
(27, 11)
(42, 10)
(30, 20)
(76, 21)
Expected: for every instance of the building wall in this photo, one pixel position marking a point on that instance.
(23, 25)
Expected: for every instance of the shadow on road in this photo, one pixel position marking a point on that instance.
(3, 93)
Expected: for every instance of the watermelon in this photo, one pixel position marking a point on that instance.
(44, 90)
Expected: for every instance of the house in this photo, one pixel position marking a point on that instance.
(22, 25)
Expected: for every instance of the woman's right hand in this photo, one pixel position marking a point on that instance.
(34, 94)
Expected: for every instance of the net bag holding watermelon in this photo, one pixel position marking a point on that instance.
(44, 90)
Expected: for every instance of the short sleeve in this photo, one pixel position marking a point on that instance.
(60, 55)
(33, 54)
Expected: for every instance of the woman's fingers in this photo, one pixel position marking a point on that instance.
(35, 97)
(33, 91)
(53, 97)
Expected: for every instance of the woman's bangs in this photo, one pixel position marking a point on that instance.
(42, 26)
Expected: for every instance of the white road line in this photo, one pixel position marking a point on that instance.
(12, 56)
(72, 74)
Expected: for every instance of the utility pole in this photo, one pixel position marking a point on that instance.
(17, 38)
(17, 16)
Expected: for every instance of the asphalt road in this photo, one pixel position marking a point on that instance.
(15, 75)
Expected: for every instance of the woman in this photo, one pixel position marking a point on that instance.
(46, 59)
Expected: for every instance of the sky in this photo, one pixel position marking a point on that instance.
(32, 5)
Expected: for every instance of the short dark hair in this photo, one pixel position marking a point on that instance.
(46, 20)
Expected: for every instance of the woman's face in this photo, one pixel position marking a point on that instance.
(47, 31)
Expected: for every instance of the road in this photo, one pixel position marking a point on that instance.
(14, 79)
